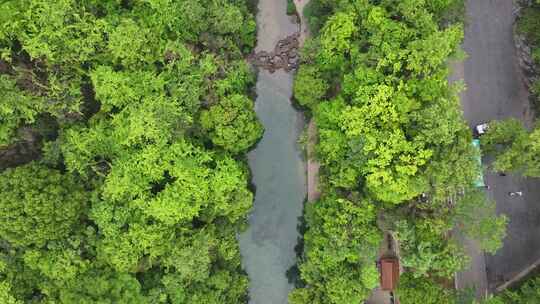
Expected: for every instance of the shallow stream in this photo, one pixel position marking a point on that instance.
(278, 169)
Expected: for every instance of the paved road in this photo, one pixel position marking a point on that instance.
(495, 91)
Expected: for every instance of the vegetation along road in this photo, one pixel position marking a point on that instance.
(495, 91)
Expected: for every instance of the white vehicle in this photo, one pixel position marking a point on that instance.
(481, 129)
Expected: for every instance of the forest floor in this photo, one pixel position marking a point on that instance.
(495, 90)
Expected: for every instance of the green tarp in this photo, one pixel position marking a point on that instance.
(479, 182)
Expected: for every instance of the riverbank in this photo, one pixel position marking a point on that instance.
(312, 165)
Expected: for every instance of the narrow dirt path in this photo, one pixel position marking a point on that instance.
(313, 165)
(304, 28)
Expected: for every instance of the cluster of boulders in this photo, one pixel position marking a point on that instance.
(285, 55)
(24, 151)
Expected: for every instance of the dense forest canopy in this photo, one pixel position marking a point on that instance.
(395, 151)
(141, 113)
(138, 115)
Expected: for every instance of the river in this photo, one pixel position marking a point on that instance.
(278, 171)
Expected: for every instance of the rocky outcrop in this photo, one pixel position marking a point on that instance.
(526, 62)
(284, 56)
(531, 71)
(21, 152)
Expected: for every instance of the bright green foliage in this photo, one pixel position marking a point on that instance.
(515, 148)
(390, 127)
(232, 124)
(338, 264)
(414, 290)
(492, 300)
(141, 49)
(45, 27)
(5, 294)
(159, 189)
(337, 35)
(291, 8)
(38, 205)
(136, 207)
(309, 87)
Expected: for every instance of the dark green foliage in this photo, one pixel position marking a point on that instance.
(527, 293)
(291, 8)
(477, 218)
(413, 290)
(316, 12)
(16, 108)
(529, 26)
(447, 11)
(129, 203)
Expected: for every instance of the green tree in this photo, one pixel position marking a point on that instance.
(515, 148)
(476, 216)
(337, 36)
(16, 108)
(309, 87)
(232, 123)
(338, 264)
(103, 286)
(124, 84)
(527, 293)
(413, 290)
(391, 129)
(38, 205)
(5, 294)
(426, 249)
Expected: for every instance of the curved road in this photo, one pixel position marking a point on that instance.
(495, 91)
